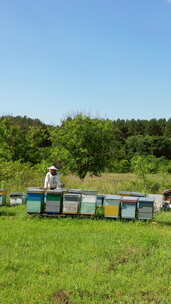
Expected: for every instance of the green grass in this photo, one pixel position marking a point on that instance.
(44, 260)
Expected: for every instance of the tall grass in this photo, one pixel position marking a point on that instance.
(72, 261)
(16, 176)
(113, 183)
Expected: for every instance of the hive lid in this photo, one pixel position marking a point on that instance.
(89, 192)
(35, 190)
(55, 191)
(130, 199)
(17, 194)
(113, 197)
(146, 200)
(136, 194)
(72, 194)
(77, 191)
(155, 197)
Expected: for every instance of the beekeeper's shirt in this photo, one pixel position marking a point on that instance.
(52, 181)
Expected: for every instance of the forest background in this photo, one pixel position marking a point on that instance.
(83, 146)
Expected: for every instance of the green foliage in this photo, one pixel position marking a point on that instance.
(82, 144)
(142, 165)
(119, 166)
(155, 145)
(23, 142)
(85, 145)
(16, 176)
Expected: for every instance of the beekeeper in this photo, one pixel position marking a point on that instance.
(52, 179)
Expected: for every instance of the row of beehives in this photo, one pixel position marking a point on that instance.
(76, 202)
(14, 198)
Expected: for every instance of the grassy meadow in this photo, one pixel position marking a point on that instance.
(70, 261)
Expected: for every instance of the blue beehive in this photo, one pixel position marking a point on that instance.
(3, 194)
(145, 209)
(35, 200)
(129, 207)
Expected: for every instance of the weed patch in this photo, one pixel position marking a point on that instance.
(61, 297)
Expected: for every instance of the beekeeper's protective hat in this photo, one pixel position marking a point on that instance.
(53, 168)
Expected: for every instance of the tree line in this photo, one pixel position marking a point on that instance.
(82, 144)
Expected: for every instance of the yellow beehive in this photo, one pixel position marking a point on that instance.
(112, 206)
(112, 211)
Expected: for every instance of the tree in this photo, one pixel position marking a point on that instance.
(84, 144)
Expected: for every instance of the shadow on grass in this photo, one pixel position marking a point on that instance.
(7, 213)
(164, 223)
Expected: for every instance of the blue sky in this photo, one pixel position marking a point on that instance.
(107, 58)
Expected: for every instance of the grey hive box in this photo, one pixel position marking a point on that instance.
(17, 198)
(71, 203)
(145, 209)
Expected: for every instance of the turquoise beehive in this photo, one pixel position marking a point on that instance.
(3, 194)
(35, 200)
(128, 207)
(88, 202)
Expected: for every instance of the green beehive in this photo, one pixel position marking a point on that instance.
(100, 200)
(99, 205)
(54, 201)
(35, 200)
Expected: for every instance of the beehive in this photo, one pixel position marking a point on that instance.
(3, 194)
(17, 198)
(112, 206)
(145, 208)
(35, 200)
(88, 202)
(129, 207)
(100, 200)
(158, 200)
(53, 201)
(71, 203)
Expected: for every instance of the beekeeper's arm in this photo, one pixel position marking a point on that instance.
(46, 183)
